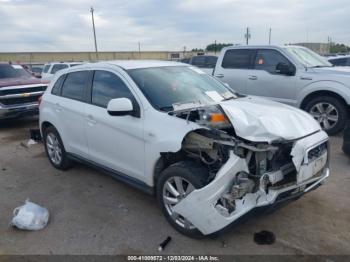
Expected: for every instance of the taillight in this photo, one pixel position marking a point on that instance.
(39, 100)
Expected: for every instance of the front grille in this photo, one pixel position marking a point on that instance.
(317, 151)
(19, 100)
(22, 90)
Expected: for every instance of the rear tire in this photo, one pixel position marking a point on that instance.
(183, 177)
(329, 111)
(55, 150)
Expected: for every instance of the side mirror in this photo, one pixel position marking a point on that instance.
(285, 69)
(120, 107)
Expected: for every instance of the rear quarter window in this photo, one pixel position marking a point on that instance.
(56, 89)
(76, 84)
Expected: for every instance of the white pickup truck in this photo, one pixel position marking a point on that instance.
(289, 74)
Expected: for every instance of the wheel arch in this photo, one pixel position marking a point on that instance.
(321, 93)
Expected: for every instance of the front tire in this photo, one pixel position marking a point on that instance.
(55, 150)
(330, 112)
(173, 185)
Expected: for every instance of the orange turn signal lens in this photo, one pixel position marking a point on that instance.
(215, 117)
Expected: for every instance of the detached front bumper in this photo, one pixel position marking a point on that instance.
(201, 207)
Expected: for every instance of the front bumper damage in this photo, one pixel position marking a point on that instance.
(201, 206)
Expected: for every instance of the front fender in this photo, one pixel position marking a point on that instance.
(330, 86)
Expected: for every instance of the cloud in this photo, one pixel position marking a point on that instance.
(65, 25)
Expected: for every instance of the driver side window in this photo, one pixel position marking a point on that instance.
(107, 86)
(268, 59)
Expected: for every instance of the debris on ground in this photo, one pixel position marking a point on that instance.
(264, 238)
(31, 142)
(35, 135)
(164, 244)
(30, 216)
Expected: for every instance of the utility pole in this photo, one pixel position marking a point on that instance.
(247, 36)
(139, 50)
(215, 47)
(270, 36)
(93, 27)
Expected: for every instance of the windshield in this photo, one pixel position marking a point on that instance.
(165, 87)
(12, 71)
(307, 57)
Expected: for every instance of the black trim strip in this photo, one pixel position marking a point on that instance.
(115, 174)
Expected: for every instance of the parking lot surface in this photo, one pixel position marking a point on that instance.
(91, 213)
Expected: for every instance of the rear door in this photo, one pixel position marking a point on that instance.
(70, 109)
(232, 68)
(264, 80)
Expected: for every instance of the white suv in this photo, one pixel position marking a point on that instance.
(208, 154)
(51, 68)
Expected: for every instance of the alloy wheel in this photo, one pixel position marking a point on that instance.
(326, 114)
(54, 148)
(176, 189)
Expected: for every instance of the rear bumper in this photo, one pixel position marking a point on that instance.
(15, 111)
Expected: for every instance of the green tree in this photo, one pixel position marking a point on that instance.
(339, 48)
(216, 47)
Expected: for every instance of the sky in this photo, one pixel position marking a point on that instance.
(167, 25)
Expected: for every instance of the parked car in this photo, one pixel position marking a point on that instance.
(340, 61)
(292, 75)
(205, 62)
(19, 91)
(346, 141)
(208, 154)
(36, 70)
(51, 68)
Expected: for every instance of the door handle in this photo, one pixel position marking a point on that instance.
(91, 119)
(219, 75)
(58, 107)
(253, 77)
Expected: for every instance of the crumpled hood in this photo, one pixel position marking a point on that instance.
(261, 120)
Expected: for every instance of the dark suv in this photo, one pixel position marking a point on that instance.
(19, 91)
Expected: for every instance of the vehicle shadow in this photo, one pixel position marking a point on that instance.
(26, 122)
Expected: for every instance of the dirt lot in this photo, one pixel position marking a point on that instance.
(93, 214)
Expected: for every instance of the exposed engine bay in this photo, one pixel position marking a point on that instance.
(244, 174)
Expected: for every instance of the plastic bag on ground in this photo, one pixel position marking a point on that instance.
(30, 216)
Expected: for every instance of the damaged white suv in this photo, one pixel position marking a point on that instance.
(210, 155)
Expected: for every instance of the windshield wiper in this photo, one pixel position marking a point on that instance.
(166, 108)
(320, 66)
(228, 98)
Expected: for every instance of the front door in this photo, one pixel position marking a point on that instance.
(115, 142)
(265, 81)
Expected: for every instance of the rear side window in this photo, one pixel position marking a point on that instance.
(211, 61)
(238, 58)
(56, 89)
(58, 67)
(268, 59)
(46, 68)
(198, 61)
(107, 86)
(75, 85)
(338, 61)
